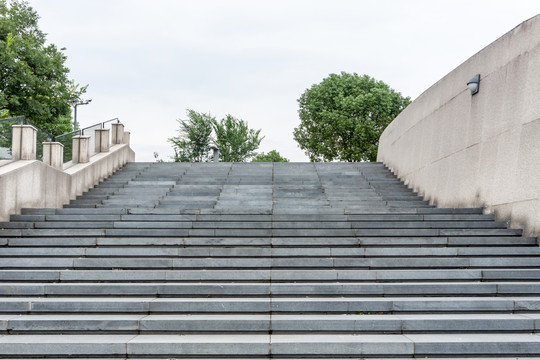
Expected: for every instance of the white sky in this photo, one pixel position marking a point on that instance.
(146, 62)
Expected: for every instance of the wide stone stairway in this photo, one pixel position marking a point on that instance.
(262, 260)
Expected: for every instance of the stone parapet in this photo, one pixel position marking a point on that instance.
(33, 184)
(482, 150)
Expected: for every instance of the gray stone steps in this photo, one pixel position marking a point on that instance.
(70, 230)
(225, 289)
(290, 211)
(264, 323)
(173, 262)
(266, 252)
(92, 241)
(31, 304)
(241, 345)
(274, 275)
(94, 197)
(251, 261)
(115, 222)
(341, 218)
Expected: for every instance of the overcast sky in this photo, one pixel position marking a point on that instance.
(146, 62)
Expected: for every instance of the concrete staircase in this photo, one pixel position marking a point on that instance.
(261, 260)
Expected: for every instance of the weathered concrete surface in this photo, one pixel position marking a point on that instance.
(117, 133)
(53, 154)
(80, 149)
(24, 142)
(31, 183)
(459, 150)
(102, 143)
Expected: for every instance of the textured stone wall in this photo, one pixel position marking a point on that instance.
(459, 150)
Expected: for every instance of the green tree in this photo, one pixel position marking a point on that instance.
(271, 156)
(33, 78)
(343, 117)
(193, 143)
(235, 140)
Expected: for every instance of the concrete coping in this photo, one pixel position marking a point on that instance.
(53, 143)
(5, 162)
(14, 165)
(70, 167)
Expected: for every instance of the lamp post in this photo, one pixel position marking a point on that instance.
(76, 103)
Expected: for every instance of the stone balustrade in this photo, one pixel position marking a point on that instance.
(26, 182)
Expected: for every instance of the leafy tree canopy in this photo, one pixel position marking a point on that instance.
(193, 142)
(199, 132)
(33, 78)
(271, 156)
(235, 140)
(343, 117)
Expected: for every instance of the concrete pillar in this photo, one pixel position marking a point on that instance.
(127, 137)
(23, 145)
(53, 154)
(216, 154)
(117, 134)
(81, 149)
(102, 140)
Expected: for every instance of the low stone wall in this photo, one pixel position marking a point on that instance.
(459, 150)
(33, 184)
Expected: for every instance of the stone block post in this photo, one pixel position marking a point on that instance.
(127, 137)
(102, 140)
(53, 154)
(81, 149)
(23, 144)
(117, 134)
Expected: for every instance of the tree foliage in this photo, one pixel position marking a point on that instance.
(271, 156)
(343, 117)
(193, 143)
(235, 140)
(33, 78)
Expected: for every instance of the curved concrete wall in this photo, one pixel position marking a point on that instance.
(459, 150)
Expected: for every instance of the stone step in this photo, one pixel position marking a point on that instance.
(262, 305)
(134, 197)
(289, 211)
(281, 345)
(77, 223)
(276, 233)
(92, 241)
(247, 217)
(238, 275)
(148, 202)
(267, 252)
(264, 323)
(225, 289)
(111, 185)
(173, 262)
(94, 197)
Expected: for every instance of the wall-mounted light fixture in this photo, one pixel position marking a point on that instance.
(474, 84)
